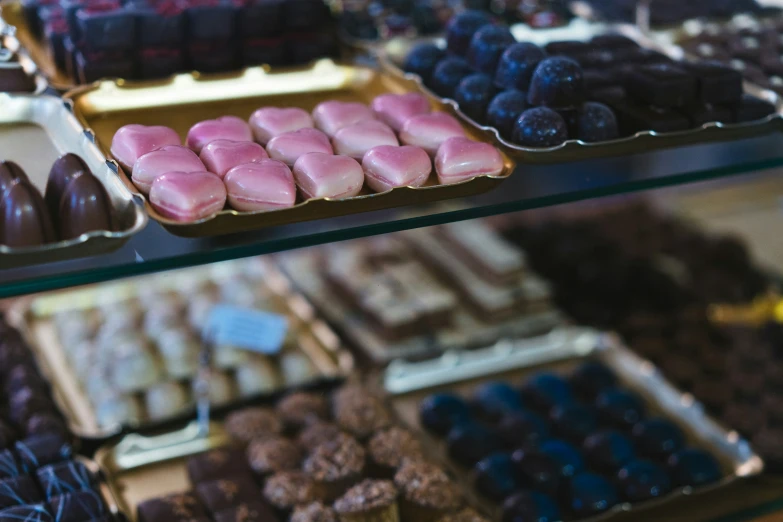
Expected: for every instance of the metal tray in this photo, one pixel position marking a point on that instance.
(185, 100)
(35, 319)
(34, 132)
(394, 52)
(408, 383)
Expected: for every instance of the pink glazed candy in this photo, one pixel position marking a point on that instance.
(170, 158)
(388, 167)
(223, 128)
(428, 131)
(325, 176)
(355, 140)
(268, 122)
(459, 159)
(290, 146)
(332, 116)
(264, 185)
(188, 196)
(133, 141)
(395, 109)
(220, 156)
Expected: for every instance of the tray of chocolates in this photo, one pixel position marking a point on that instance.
(125, 356)
(60, 198)
(581, 430)
(337, 454)
(416, 294)
(77, 42)
(589, 90)
(313, 147)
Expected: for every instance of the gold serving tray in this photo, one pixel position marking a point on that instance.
(561, 350)
(186, 99)
(392, 55)
(34, 132)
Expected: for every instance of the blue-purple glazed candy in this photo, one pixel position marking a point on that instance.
(545, 390)
(538, 471)
(486, 47)
(473, 95)
(557, 82)
(470, 442)
(596, 122)
(77, 507)
(516, 65)
(65, 477)
(521, 428)
(566, 455)
(591, 494)
(530, 506)
(573, 421)
(693, 467)
(494, 399)
(447, 75)
(422, 60)
(40, 450)
(504, 111)
(591, 378)
(539, 127)
(462, 27)
(496, 478)
(641, 480)
(657, 438)
(440, 412)
(30, 513)
(620, 408)
(607, 451)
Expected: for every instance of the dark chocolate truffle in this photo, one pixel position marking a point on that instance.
(573, 421)
(620, 408)
(442, 411)
(557, 82)
(543, 391)
(473, 95)
(530, 505)
(504, 111)
(462, 27)
(591, 494)
(469, 443)
(369, 497)
(693, 467)
(250, 423)
(300, 409)
(247, 512)
(77, 507)
(495, 477)
(317, 433)
(224, 493)
(287, 489)
(84, 207)
(608, 451)
(517, 64)
(25, 220)
(177, 506)
(270, 455)
(539, 127)
(521, 428)
(65, 169)
(388, 449)
(422, 60)
(657, 438)
(362, 415)
(217, 463)
(596, 122)
(314, 512)
(538, 470)
(427, 488)
(486, 47)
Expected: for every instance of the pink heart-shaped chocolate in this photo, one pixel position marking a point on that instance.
(268, 122)
(428, 131)
(355, 140)
(223, 128)
(388, 167)
(170, 158)
(220, 156)
(265, 185)
(395, 109)
(188, 196)
(290, 146)
(133, 141)
(331, 116)
(326, 176)
(459, 159)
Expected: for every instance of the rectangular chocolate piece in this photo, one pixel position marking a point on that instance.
(716, 83)
(661, 85)
(634, 118)
(700, 113)
(172, 508)
(215, 464)
(751, 108)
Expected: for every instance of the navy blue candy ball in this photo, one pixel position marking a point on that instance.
(530, 506)
(442, 411)
(620, 408)
(504, 111)
(469, 443)
(521, 428)
(591, 378)
(608, 451)
(447, 75)
(473, 95)
(657, 438)
(566, 455)
(462, 27)
(591, 494)
(495, 477)
(693, 467)
(487, 46)
(545, 390)
(516, 65)
(557, 82)
(539, 127)
(573, 421)
(539, 471)
(494, 399)
(422, 60)
(642, 480)
(596, 122)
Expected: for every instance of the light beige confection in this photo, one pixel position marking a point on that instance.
(238, 292)
(180, 352)
(296, 368)
(166, 400)
(221, 388)
(158, 319)
(82, 358)
(134, 370)
(199, 307)
(229, 357)
(99, 386)
(118, 409)
(74, 326)
(257, 375)
(123, 314)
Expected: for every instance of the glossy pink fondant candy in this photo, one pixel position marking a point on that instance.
(332, 116)
(428, 131)
(290, 146)
(355, 140)
(223, 128)
(268, 122)
(264, 185)
(326, 176)
(171, 158)
(188, 196)
(220, 156)
(388, 167)
(133, 141)
(459, 159)
(395, 109)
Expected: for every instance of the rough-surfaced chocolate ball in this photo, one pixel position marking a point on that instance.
(657, 438)
(642, 480)
(495, 476)
(591, 494)
(539, 127)
(442, 411)
(693, 467)
(557, 82)
(530, 506)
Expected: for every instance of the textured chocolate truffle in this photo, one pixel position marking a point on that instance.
(424, 486)
(178, 506)
(390, 448)
(314, 512)
(335, 459)
(316, 434)
(224, 493)
(271, 455)
(300, 409)
(248, 512)
(250, 423)
(361, 415)
(215, 464)
(286, 489)
(369, 497)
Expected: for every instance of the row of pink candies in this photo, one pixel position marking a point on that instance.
(230, 166)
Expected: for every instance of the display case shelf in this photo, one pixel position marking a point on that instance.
(530, 187)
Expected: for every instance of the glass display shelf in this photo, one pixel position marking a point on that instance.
(531, 186)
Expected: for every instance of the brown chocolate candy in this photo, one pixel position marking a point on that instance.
(64, 170)
(25, 220)
(84, 207)
(13, 78)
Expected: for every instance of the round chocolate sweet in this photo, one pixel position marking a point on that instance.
(591, 378)
(473, 95)
(287, 489)
(440, 412)
(428, 486)
(486, 47)
(468, 443)
(335, 460)
(543, 391)
(608, 451)
(495, 476)
(496, 398)
(273, 454)
(573, 421)
(620, 408)
(521, 429)
(517, 64)
(422, 60)
(250, 423)
(24, 218)
(301, 409)
(65, 169)
(539, 471)
(314, 512)
(504, 111)
(447, 75)
(530, 506)
(557, 82)
(464, 515)
(596, 122)
(367, 496)
(693, 467)
(642, 480)
(566, 455)
(591, 494)
(462, 27)
(657, 437)
(539, 127)
(317, 433)
(361, 415)
(391, 447)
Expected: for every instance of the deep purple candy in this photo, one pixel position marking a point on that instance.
(161, 27)
(208, 21)
(31, 513)
(516, 65)
(530, 506)
(539, 127)
(487, 46)
(591, 494)
(9, 465)
(90, 68)
(518, 429)
(304, 15)
(495, 477)
(18, 491)
(596, 122)
(657, 438)
(261, 19)
(107, 26)
(620, 408)
(545, 390)
(40, 450)
(65, 477)
(693, 467)
(495, 399)
(473, 95)
(557, 82)
(539, 471)
(608, 451)
(469, 443)
(591, 378)
(77, 507)
(573, 421)
(442, 411)
(565, 454)
(422, 59)
(642, 480)
(462, 27)
(504, 111)
(447, 75)
(160, 62)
